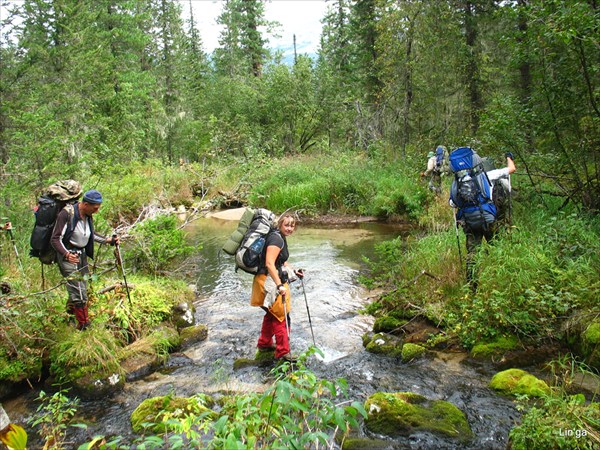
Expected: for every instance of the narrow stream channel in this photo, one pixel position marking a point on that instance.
(332, 259)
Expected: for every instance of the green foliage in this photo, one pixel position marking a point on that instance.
(561, 420)
(297, 411)
(529, 280)
(54, 415)
(158, 241)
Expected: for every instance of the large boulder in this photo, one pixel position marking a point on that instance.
(404, 413)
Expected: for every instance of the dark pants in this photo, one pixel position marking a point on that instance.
(435, 182)
(474, 239)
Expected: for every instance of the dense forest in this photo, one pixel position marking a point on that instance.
(86, 85)
(122, 96)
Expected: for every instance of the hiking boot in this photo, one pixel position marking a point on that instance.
(287, 358)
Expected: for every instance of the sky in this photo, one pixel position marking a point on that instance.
(299, 17)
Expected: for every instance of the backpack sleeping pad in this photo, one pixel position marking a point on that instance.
(247, 242)
(471, 190)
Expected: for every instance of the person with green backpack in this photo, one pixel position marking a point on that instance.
(271, 292)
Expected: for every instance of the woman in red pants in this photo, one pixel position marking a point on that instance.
(270, 290)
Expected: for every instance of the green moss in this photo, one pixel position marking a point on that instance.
(403, 413)
(366, 338)
(194, 334)
(365, 444)
(412, 351)
(388, 324)
(385, 344)
(591, 336)
(498, 347)
(157, 410)
(517, 381)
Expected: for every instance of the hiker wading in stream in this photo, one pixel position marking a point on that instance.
(270, 290)
(73, 239)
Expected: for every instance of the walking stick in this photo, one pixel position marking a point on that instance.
(120, 261)
(308, 312)
(457, 239)
(509, 202)
(12, 239)
(287, 325)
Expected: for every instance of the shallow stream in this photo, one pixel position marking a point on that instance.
(332, 259)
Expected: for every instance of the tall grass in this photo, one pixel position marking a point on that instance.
(346, 183)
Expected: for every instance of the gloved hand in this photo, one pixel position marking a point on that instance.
(422, 174)
(510, 155)
(299, 273)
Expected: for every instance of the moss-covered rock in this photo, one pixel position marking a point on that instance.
(412, 351)
(388, 324)
(192, 335)
(96, 385)
(496, 348)
(262, 358)
(183, 315)
(403, 413)
(517, 381)
(590, 344)
(384, 344)
(158, 410)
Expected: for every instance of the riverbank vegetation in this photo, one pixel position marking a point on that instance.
(121, 96)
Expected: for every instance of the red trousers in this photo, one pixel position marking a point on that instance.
(273, 327)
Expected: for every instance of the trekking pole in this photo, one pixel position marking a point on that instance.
(14, 243)
(509, 202)
(308, 312)
(287, 325)
(120, 261)
(457, 239)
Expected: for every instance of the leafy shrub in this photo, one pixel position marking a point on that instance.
(158, 243)
(529, 280)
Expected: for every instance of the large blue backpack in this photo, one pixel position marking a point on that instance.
(471, 190)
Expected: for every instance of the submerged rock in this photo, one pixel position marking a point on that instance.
(193, 335)
(404, 413)
(517, 381)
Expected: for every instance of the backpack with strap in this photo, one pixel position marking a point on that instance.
(249, 249)
(471, 190)
(60, 195)
(441, 159)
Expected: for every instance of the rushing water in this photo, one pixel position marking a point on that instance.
(332, 259)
